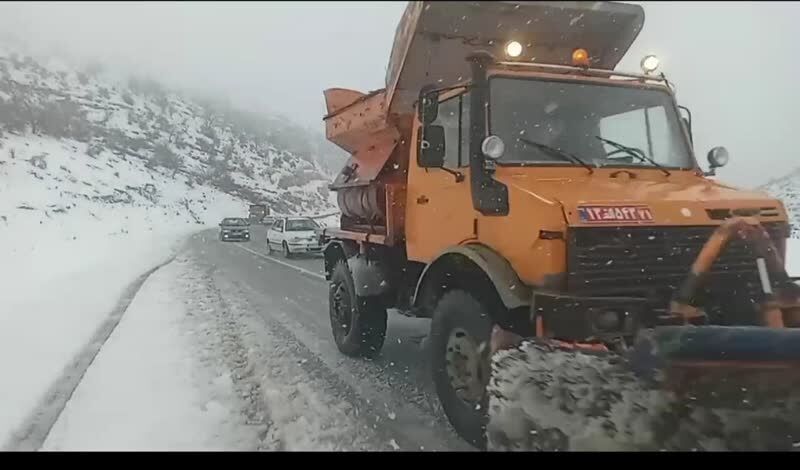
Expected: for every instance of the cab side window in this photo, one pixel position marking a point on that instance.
(454, 118)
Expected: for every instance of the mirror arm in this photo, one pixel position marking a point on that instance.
(458, 175)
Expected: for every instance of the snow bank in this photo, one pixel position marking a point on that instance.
(74, 232)
(147, 390)
(793, 257)
(53, 303)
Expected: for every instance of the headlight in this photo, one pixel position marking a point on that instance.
(513, 49)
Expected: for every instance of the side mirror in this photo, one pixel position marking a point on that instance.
(431, 152)
(428, 107)
(717, 158)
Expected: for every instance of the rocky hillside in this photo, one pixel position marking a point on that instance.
(77, 140)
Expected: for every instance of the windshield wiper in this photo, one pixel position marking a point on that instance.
(634, 152)
(561, 153)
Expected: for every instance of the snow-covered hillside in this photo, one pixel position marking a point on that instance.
(787, 189)
(71, 141)
(101, 180)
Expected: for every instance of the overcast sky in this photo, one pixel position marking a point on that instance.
(734, 63)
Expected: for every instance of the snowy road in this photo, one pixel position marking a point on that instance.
(228, 348)
(387, 403)
(224, 347)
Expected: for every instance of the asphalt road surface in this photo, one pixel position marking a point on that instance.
(391, 397)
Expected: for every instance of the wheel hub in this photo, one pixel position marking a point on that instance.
(466, 367)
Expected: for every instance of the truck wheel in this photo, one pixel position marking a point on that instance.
(459, 342)
(358, 323)
(286, 253)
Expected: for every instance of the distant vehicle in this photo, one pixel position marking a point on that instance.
(294, 235)
(234, 228)
(258, 213)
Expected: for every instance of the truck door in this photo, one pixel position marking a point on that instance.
(439, 210)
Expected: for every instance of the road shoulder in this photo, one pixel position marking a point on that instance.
(153, 386)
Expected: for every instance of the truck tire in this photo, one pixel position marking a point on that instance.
(358, 323)
(459, 342)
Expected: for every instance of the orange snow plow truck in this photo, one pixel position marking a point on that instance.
(589, 287)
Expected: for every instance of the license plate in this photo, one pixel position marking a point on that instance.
(615, 214)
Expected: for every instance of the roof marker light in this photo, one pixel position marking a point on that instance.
(649, 64)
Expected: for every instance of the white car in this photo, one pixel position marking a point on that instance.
(293, 235)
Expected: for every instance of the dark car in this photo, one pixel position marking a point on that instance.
(234, 228)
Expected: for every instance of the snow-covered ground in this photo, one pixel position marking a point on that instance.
(74, 232)
(180, 392)
(149, 388)
(202, 382)
(56, 294)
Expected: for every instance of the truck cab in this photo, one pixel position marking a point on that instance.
(258, 213)
(510, 177)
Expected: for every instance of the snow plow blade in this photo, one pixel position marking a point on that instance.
(731, 366)
(686, 385)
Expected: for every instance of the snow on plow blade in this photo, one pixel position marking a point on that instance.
(688, 386)
(670, 393)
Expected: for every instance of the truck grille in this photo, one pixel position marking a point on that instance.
(654, 259)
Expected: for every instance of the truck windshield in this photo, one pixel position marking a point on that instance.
(578, 117)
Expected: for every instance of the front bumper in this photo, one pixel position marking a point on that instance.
(305, 247)
(576, 318)
(241, 236)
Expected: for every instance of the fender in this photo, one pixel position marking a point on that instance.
(337, 249)
(371, 275)
(513, 293)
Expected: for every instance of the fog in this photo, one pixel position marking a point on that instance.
(733, 63)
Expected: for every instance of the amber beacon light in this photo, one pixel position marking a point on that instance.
(580, 57)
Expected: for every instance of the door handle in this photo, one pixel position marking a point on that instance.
(422, 199)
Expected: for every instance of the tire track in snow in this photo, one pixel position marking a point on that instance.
(275, 391)
(33, 431)
(408, 428)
